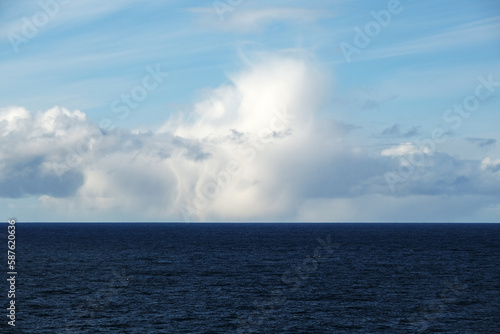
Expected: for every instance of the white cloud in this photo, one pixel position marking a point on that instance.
(31, 148)
(491, 165)
(262, 123)
(254, 149)
(404, 149)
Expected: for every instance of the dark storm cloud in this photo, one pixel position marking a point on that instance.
(24, 178)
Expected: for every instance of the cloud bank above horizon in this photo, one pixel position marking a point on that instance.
(255, 149)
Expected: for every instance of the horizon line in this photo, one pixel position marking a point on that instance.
(242, 222)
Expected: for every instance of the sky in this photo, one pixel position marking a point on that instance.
(250, 110)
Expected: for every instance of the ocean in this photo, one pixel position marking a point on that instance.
(255, 278)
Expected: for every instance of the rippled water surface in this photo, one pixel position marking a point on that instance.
(262, 278)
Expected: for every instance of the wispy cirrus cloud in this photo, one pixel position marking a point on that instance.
(459, 36)
(246, 19)
(60, 13)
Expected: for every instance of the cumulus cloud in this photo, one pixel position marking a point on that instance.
(423, 170)
(263, 123)
(31, 145)
(70, 163)
(242, 154)
(253, 149)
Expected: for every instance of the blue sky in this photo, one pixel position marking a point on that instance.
(250, 111)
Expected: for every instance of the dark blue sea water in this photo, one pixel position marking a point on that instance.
(261, 278)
